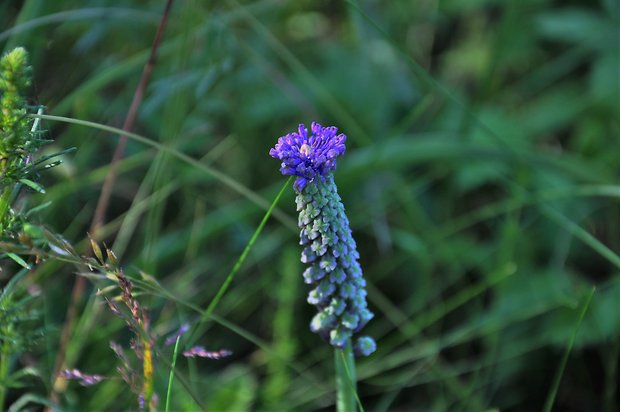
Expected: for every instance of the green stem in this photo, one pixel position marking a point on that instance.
(5, 200)
(558, 376)
(171, 377)
(346, 395)
(4, 371)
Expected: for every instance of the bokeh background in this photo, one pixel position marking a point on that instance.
(481, 181)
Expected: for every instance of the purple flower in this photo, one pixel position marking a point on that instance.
(309, 157)
(180, 332)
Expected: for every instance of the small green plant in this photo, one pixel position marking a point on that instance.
(17, 143)
(18, 137)
(20, 329)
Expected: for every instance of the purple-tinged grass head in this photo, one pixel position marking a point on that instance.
(309, 157)
(201, 352)
(83, 378)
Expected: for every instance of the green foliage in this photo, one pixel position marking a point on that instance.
(481, 182)
(16, 317)
(20, 329)
(236, 390)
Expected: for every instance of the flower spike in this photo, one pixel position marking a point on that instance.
(329, 250)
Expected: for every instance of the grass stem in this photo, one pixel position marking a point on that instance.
(558, 376)
(171, 376)
(4, 371)
(5, 200)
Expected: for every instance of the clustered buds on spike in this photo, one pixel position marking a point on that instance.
(20, 137)
(329, 249)
(14, 80)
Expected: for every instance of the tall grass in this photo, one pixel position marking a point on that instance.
(481, 183)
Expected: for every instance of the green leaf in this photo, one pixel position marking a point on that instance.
(20, 404)
(10, 286)
(33, 185)
(38, 208)
(19, 260)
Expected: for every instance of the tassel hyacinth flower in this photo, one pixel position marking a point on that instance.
(339, 290)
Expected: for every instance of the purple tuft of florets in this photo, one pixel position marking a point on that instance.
(309, 157)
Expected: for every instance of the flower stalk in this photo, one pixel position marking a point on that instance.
(345, 379)
(5, 352)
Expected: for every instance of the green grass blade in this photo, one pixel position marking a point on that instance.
(19, 260)
(207, 313)
(171, 377)
(95, 13)
(582, 235)
(558, 376)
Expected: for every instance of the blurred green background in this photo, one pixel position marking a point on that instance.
(481, 181)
